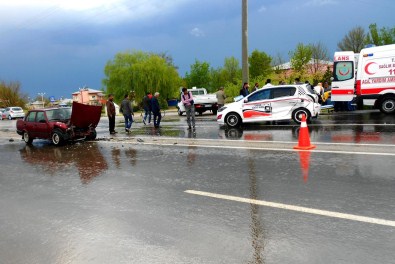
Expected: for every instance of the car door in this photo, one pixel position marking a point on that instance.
(257, 106)
(29, 124)
(41, 125)
(283, 101)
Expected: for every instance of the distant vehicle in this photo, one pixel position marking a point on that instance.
(368, 75)
(202, 100)
(13, 112)
(2, 110)
(60, 124)
(284, 102)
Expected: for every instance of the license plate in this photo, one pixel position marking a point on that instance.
(207, 105)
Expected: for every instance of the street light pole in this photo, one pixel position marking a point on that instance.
(42, 98)
(244, 41)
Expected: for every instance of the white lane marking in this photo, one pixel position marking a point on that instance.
(274, 141)
(295, 208)
(250, 148)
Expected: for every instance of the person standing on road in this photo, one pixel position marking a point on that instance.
(220, 97)
(156, 110)
(111, 113)
(127, 111)
(147, 108)
(187, 100)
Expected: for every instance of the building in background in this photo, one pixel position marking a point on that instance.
(89, 96)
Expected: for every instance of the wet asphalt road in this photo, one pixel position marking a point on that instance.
(135, 198)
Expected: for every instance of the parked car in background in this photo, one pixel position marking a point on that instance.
(13, 112)
(284, 102)
(2, 110)
(60, 124)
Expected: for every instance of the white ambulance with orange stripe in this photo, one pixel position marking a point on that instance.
(275, 103)
(367, 75)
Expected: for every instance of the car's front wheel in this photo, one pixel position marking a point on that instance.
(297, 115)
(28, 140)
(57, 137)
(92, 135)
(9, 117)
(233, 119)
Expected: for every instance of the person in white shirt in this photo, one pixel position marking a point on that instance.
(268, 83)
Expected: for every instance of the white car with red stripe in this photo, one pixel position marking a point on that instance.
(284, 102)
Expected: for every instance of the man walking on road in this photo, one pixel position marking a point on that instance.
(147, 108)
(187, 100)
(156, 110)
(127, 111)
(111, 113)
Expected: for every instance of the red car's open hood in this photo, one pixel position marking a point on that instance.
(83, 116)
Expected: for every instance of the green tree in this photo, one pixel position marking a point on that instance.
(140, 72)
(231, 71)
(327, 75)
(11, 95)
(353, 41)
(300, 58)
(217, 78)
(260, 64)
(384, 36)
(199, 75)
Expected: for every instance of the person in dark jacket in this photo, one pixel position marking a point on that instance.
(127, 111)
(156, 110)
(244, 91)
(111, 113)
(147, 107)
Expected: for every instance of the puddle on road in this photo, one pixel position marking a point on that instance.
(87, 159)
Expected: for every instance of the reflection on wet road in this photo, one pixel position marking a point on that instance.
(126, 203)
(370, 127)
(85, 158)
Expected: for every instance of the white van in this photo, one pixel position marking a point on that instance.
(367, 75)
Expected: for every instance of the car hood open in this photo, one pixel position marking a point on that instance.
(84, 116)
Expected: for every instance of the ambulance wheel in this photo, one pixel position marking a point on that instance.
(233, 120)
(297, 115)
(387, 105)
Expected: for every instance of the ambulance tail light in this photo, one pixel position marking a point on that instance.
(358, 87)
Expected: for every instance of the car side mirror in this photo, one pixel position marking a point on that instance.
(332, 79)
(246, 100)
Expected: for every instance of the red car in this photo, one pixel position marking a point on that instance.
(60, 124)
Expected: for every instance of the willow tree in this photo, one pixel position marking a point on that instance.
(11, 95)
(139, 72)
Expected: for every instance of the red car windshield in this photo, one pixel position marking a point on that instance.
(58, 114)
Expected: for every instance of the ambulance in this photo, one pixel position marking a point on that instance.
(369, 75)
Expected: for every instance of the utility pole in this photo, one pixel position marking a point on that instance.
(244, 37)
(42, 98)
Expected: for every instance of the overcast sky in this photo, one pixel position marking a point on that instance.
(58, 46)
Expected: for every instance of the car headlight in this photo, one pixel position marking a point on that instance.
(222, 109)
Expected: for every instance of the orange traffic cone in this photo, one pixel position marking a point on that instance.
(304, 137)
(305, 163)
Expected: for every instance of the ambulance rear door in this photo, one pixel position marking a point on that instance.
(343, 76)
